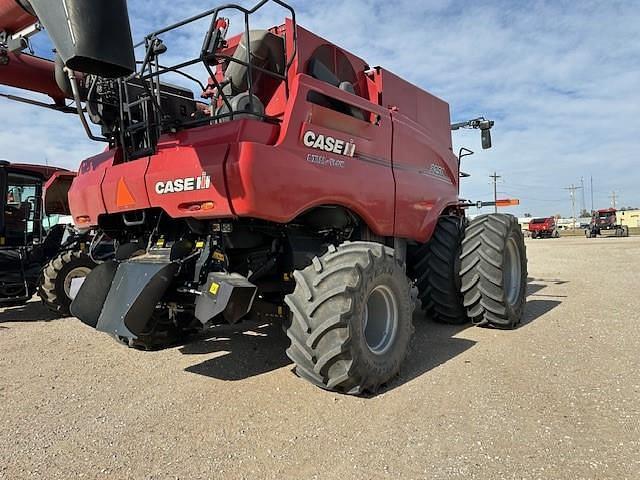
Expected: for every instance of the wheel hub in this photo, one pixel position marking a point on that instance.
(512, 272)
(78, 272)
(380, 319)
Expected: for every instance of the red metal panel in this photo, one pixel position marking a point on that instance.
(279, 183)
(30, 73)
(428, 111)
(13, 17)
(126, 178)
(85, 196)
(426, 179)
(201, 168)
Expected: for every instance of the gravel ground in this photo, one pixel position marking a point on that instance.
(555, 399)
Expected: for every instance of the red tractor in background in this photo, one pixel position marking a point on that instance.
(307, 187)
(606, 221)
(544, 228)
(38, 253)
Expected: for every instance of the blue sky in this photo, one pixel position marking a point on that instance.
(561, 79)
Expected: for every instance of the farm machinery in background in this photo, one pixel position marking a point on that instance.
(544, 228)
(307, 187)
(40, 250)
(605, 222)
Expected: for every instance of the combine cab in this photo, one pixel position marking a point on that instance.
(306, 187)
(544, 228)
(605, 222)
(39, 251)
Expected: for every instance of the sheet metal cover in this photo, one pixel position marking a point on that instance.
(136, 290)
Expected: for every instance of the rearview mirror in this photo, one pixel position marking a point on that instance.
(486, 139)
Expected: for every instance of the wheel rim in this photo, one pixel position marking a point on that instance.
(78, 272)
(380, 319)
(513, 272)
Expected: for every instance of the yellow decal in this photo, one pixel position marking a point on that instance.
(160, 242)
(219, 256)
(214, 288)
(200, 244)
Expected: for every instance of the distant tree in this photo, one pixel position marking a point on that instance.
(558, 215)
(527, 215)
(585, 213)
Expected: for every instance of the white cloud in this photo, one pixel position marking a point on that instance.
(562, 80)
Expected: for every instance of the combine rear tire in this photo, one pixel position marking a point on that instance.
(436, 267)
(625, 231)
(351, 318)
(55, 284)
(494, 271)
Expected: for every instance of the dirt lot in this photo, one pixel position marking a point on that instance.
(557, 398)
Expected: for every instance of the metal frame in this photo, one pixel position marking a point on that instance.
(153, 124)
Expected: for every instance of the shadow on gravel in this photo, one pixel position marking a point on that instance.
(248, 349)
(536, 309)
(30, 312)
(433, 344)
(253, 348)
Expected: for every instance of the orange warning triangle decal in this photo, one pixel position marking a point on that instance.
(123, 195)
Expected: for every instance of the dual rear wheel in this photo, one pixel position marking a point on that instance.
(352, 308)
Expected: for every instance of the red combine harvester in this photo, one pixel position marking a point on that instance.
(37, 253)
(308, 187)
(606, 221)
(544, 228)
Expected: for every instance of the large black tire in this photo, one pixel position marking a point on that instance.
(494, 271)
(436, 269)
(625, 231)
(56, 277)
(351, 318)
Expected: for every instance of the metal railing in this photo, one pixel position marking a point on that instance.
(139, 136)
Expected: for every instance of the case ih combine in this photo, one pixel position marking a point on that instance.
(309, 186)
(606, 221)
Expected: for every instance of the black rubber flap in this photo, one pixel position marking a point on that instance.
(91, 36)
(87, 306)
(136, 290)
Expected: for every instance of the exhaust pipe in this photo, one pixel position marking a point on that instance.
(90, 36)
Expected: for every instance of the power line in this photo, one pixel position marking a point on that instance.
(613, 198)
(495, 178)
(573, 189)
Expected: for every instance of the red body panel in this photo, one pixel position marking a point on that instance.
(548, 225)
(13, 17)
(30, 73)
(56, 193)
(85, 196)
(401, 177)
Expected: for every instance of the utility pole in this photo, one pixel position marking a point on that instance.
(495, 178)
(572, 189)
(584, 204)
(613, 199)
(591, 193)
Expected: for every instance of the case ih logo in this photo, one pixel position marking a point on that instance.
(188, 184)
(329, 144)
